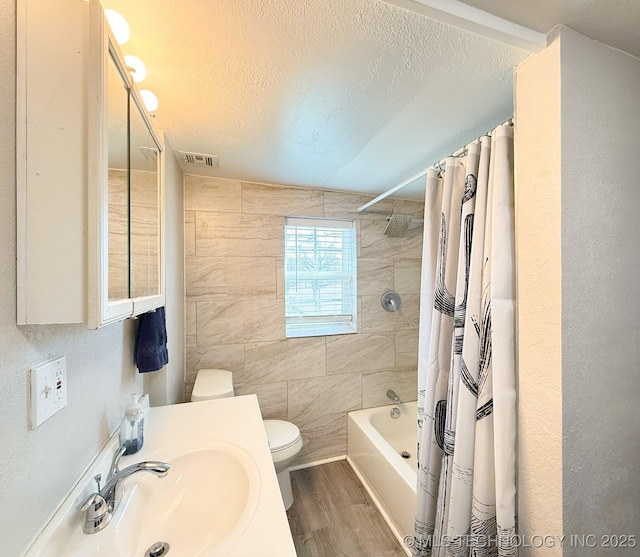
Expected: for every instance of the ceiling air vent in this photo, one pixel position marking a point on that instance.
(199, 159)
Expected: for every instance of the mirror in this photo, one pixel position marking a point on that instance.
(117, 178)
(145, 207)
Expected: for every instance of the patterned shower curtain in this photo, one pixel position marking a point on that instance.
(466, 369)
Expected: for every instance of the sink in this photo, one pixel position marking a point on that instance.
(201, 507)
(197, 507)
(219, 498)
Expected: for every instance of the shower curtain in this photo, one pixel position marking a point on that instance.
(466, 370)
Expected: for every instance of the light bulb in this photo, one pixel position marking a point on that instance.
(118, 25)
(149, 100)
(136, 67)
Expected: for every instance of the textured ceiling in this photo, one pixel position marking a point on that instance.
(348, 95)
(612, 22)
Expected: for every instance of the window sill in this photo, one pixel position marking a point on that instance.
(319, 329)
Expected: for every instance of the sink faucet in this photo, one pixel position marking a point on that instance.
(100, 506)
(393, 396)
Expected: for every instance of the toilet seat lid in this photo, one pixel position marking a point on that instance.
(212, 383)
(281, 434)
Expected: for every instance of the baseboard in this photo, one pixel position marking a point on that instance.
(317, 463)
(376, 501)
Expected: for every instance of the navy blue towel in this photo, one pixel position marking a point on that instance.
(151, 341)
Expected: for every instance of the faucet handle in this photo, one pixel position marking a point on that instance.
(98, 515)
(96, 505)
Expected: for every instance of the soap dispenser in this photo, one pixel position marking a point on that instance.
(132, 426)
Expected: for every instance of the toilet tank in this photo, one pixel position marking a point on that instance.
(212, 383)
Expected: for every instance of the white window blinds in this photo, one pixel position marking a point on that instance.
(320, 276)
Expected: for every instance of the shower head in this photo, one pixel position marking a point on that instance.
(397, 225)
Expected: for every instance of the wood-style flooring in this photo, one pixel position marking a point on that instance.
(333, 516)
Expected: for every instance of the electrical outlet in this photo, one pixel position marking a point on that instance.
(60, 386)
(48, 389)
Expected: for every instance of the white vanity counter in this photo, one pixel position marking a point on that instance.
(220, 497)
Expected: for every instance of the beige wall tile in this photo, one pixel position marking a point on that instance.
(407, 276)
(189, 234)
(239, 235)
(373, 318)
(144, 230)
(203, 193)
(324, 395)
(144, 189)
(118, 228)
(345, 205)
(233, 321)
(323, 436)
(409, 316)
(280, 277)
(406, 343)
(274, 200)
(374, 276)
(406, 207)
(118, 276)
(117, 187)
(375, 386)
(190, 324)
(144, 275)
(214, 277)
(272, 398)
(188, 389)
(224, 356)
(294, 358)
(374, 244)
(359, 352)
(376, 319)
(204, 277)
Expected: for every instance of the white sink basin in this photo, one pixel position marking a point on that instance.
(201, 506)
(219, 496)
(205, 502)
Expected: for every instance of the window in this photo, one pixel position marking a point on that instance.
(319, 276)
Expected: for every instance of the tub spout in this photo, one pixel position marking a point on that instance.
(393, 396)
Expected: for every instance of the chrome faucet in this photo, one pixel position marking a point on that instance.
(393, 396)
(101, 505)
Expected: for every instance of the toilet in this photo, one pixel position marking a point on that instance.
(284, 437)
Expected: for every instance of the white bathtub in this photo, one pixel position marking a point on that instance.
(375, 443)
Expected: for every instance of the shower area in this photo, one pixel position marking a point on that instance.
(442, 470)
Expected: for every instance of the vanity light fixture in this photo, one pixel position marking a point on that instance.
(136, 67)
(149, 99)
(118, 25)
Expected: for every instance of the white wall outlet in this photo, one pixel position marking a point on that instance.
(48, 389)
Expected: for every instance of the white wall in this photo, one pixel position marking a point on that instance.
(538, 187)
(600, 290)
(578, 187)
(37, 468)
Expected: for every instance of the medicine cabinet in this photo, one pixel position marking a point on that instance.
(90, 173)
(125, 187)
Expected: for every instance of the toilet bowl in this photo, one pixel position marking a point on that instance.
(284, 437)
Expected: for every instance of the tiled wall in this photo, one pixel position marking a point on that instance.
(143, 239)
(234, 234)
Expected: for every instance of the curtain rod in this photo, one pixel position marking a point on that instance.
(436, 164)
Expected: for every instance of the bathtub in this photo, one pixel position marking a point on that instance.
(375, 441)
